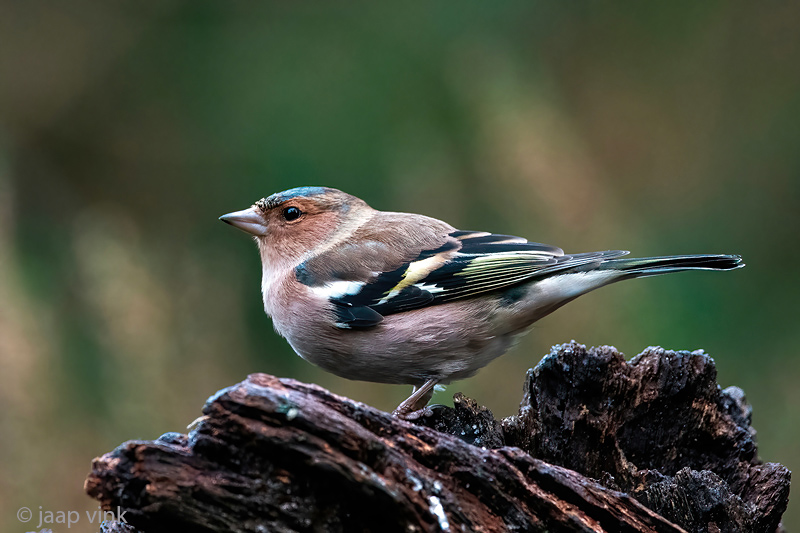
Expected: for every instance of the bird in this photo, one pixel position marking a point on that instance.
(404, 298)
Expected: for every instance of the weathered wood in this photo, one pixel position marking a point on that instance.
(599, 445)
(658, 425)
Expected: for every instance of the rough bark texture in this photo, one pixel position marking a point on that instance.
(598, 445)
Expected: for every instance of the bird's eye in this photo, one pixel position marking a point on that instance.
(291, 213)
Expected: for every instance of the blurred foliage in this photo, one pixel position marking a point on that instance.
(127, 128)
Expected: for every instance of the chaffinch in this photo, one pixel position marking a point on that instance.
(405, 298)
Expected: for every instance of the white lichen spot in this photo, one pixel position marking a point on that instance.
(416, 484)
(292, 413)
(438, 512)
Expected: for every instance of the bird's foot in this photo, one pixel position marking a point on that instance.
(417, 401)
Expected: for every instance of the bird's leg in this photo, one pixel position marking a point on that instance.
(419, 398)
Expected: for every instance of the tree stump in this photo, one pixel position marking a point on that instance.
(599, 444)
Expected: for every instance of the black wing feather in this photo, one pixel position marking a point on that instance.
(356, 317)
(468, 264)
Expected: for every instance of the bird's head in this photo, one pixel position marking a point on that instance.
(290, 224)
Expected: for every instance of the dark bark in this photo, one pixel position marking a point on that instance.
(599, 445)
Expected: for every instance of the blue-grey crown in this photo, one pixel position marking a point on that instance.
(298, 192)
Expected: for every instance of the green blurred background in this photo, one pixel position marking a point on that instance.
(127, 129)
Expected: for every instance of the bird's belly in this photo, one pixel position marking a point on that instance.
(445, 342)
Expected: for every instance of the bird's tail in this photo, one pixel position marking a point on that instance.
(653, 266)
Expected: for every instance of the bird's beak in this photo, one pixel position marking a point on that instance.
(249, 220)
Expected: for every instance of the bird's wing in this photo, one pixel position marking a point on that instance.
(467, 264)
